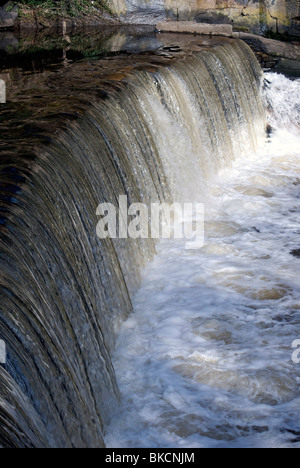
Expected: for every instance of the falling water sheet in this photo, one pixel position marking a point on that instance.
(207, 358)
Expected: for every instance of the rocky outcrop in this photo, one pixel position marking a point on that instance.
(280, 16)
(270, 46)
(8, 15)
(286, 54)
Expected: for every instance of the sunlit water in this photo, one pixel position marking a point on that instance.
(206, 358)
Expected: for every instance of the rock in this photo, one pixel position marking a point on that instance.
(212, 17)
(280, 16)
(295, 253)
(8, 15)
(288, 67)
(196, 28)
(271, 46)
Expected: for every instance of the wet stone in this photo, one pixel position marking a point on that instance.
(295, 253)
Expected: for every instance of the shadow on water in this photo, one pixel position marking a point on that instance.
(22, 49)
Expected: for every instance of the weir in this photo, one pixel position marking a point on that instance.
(64, 292)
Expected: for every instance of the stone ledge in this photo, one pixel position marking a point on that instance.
(196, 28)
(271, 46)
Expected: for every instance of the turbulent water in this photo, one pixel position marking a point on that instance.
(207, 353)
(206, 359)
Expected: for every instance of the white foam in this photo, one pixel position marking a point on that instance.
(206, 358)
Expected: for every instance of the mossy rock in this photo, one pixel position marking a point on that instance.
(8, 15)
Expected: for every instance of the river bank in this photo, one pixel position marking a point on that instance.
(39, 16)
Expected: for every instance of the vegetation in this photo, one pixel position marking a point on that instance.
(279, 36)
(73, 8)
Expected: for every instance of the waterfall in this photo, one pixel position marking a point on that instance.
(64, 291)
(210, 356)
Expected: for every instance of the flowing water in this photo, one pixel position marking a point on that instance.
(206, 358)
(206, 355)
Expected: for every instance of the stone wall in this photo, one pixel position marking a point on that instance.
(281, 16)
